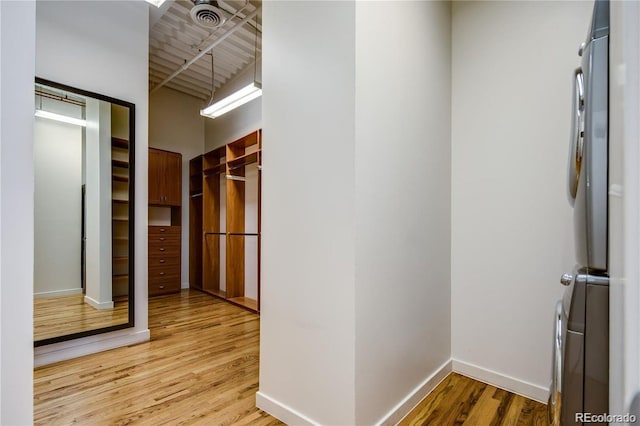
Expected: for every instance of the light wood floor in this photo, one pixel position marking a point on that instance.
(459, 400)
(201, 367)
(58, 316)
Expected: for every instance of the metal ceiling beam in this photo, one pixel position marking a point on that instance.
(207, 49)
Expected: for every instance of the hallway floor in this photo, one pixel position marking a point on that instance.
(201, 367)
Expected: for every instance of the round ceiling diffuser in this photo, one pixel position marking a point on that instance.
(206, 14)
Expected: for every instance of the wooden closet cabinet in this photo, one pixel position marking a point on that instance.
(165, 177)
(165, 217)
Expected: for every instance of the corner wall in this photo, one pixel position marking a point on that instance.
(17, 55)
(307, 322)
(175, 124)
(102, 46)
(512, 232)
(233, 125)
(402, 202)
(624, 205)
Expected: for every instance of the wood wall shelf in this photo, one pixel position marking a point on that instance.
(119, 143)
(219, 262)
(120, 163)
(243, 160)
(120, 178)
(218, 168)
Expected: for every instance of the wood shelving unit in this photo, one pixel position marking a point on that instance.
(120, 220)
(195, 223)
(223, 232)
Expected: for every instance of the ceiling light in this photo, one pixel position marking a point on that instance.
(59, 117)
(241, 97)
(156, 3)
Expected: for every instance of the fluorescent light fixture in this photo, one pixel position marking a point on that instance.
(59, 117)
(156, 3)
(241, 97)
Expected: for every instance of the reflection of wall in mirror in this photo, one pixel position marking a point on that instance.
(98, 205)
(58, 201)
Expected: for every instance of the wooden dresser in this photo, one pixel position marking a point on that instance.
(164, 259)
(165, 195)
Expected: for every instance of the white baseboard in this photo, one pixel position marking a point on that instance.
(98, 305)
(281, 411)
(57, 293)
(511, 384)
(538, 393)
(49, 354)
(292, 417)
(410, 401)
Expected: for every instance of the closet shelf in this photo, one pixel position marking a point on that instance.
(120, 259)
(218, 168)
(119, 143)
(120, 178)
(243, 160)
(117, 200)
(120, 163)
(120, 219)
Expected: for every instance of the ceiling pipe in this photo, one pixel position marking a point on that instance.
(207, 49)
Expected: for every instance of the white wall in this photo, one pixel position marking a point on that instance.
(240, 121)
(233, 125)
(58, 208)
(102, 46)
(402, 193)
(624, 205)
(175, 124)
(511, 222)
(17, 52)
(307, 324)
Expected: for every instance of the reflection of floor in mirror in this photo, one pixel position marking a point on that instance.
(58, 316)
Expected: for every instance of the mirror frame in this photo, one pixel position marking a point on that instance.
(132, 122)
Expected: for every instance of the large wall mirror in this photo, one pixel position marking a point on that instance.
(84, 193)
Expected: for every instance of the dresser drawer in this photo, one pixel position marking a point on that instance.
(164, 230)
(163, 271)
(164, 239)
(163, 260)
(164, 250)
(164, 286)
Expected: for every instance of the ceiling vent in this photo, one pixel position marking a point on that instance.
(206, 13)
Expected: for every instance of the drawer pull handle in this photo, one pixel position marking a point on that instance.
(161, 273)
(162, 260)
(162, 249)
(162, 238)
(162, 229)
(161, 287)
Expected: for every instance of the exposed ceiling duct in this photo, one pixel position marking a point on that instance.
(207, 13)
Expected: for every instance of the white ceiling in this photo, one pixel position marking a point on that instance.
(174, 39)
